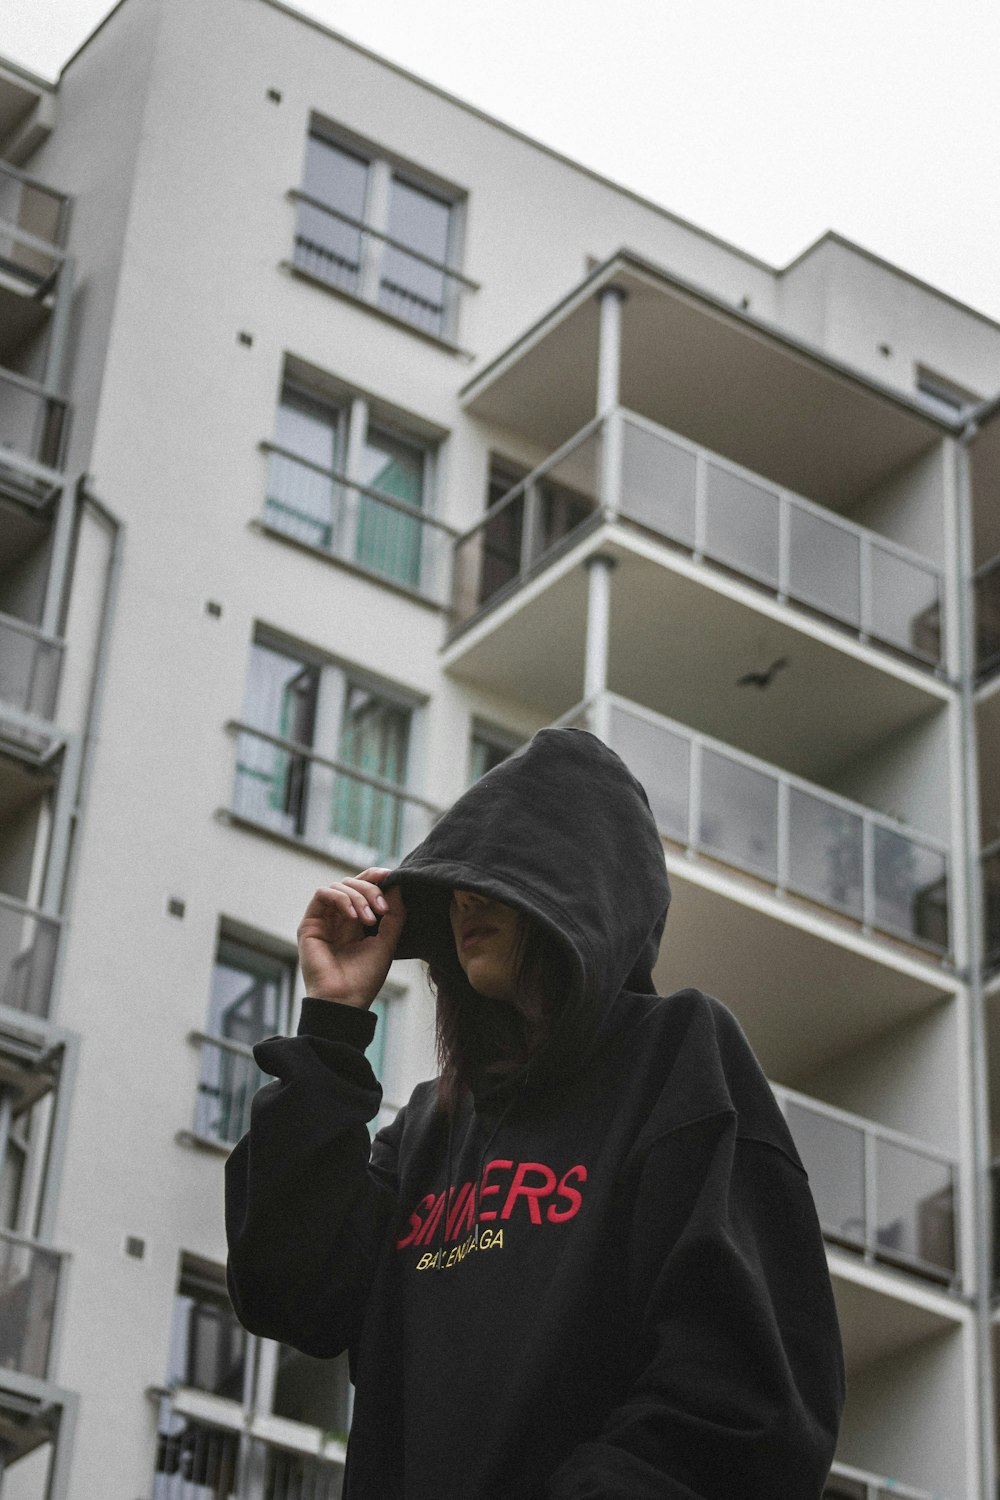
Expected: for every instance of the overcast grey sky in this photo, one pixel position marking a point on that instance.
(764, 122)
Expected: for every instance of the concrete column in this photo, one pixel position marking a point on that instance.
(595, 662)
(609, 348)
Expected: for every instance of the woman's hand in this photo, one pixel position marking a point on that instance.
(338, 961)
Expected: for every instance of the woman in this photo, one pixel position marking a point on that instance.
(584, 1263)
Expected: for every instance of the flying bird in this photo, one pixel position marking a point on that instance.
(762, 679)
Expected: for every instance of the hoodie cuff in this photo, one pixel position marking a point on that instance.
(337, 1023)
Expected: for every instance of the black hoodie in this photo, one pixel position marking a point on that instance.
(602, 1280)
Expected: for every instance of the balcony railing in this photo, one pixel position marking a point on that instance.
(986, 589)
(720, 514)
(32, 227)
(29, 667)
(229, 1079)
(366, 527)
(196, 1459)
(350, 255)
(799, 839)
(32, 428)
(29, 943)
(846, 1483)
(30, 1287)
(878, 1192)
(325, 804)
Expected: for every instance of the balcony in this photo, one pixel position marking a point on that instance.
(29, 668)
(846, 1483)
(366, 528)
(32, 433)
(32, 262)
(804, 843)
(29, 943)
(335, 810)
(891, 1199)
(196, 1455)
(717, 513)
(344, 253)
(30, 1290)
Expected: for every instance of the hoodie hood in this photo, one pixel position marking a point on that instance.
(562, 832)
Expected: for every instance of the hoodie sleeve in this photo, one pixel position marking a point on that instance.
(736, 1385)
(308, 1198)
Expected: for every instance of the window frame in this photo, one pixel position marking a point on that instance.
(385, 166)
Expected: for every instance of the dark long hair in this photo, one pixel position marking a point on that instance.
(482, 1041)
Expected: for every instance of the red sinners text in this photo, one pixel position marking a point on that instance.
(503, 1186)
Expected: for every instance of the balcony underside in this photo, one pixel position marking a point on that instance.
(681, 636)
(705, 371)
(22, 313)
(802, 1000)
(882, 1319)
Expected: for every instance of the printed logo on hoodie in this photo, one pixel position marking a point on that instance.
(529, 1192)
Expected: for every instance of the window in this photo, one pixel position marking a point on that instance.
(251, 999)
(488, 747)
(355, 483)
(350, 808)
(210, 1352)
(370, 227)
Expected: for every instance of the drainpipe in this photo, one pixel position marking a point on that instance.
(982, 1206)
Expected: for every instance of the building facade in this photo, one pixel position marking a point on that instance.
(347, 437)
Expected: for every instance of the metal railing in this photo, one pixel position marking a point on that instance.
(338, 809)
(360, 525)
(352, 256)
(32, 205)
(877, 1191)
(196, 1459)
(30, 1286)
(229, 1079)
(800, 839)
(847, 1483)
(29, 944)
(986, 593)
(29, 667)
(723, 515)
(32, 429)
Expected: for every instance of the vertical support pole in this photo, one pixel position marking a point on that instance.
(609, 358)
(595, 661)
(55, 357)
(57, 583)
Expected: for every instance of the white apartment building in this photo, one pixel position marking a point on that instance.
(347, 437)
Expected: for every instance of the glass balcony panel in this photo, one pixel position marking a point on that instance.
(741, 525)
(662, 762)
(833, 1153)
(488, 560)
(28, 944)
(905, 607)
(29, 1277)
(825, 853)
(987, 595)
(565, 497)
(911, 888)
(29, 669)
(739, 814)
(915, 1207)
(824, 566)
(658, 484)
